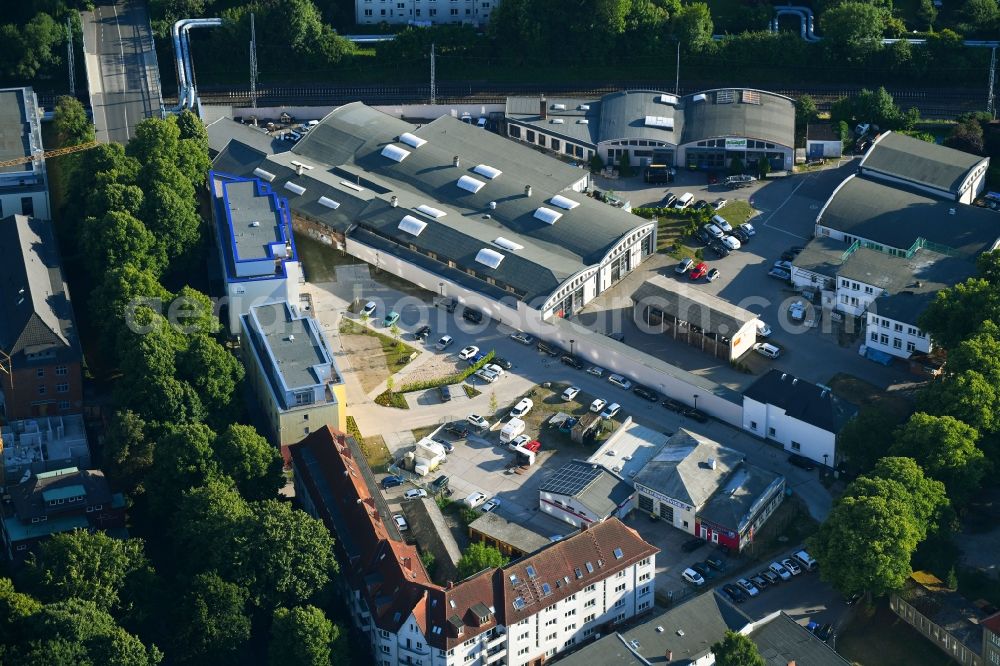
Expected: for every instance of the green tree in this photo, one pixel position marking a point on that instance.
(250, 461)
(479, 556)
(957, 312)
(75, 632)
(927, 13)
(155, 139)
(866, 438)
(988, 268)
(693, 25)
(946, 448)
(215, 374)
(169, 206)
(625, 165)
(967, 135)
(866, 542)
(805, 111)
(128, 451)
(14, 607)
(71, 123)
(91, 566)
(28, 50)
(305, 637)
(513, 24)
(123, 302)
(183, 460)
(979, 15)
(286, 557)
(115, 197)
(927, 496)
(968, 396)
(211, 620)
(854, 29)
(207, 528)
(192, 312)
(116, 239)
(763, 167)
(980, 353)
(735, 649)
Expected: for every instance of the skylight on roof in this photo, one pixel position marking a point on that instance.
(292, 187)
(266, 175)
(519, 603)
(578, 572)
(700, 97)
(470, 184)
(546, 589)
(488, 257)
(547, 215)
(557, 121)
(618, 553)
(590, 568)
(667, 99)
(395, 153)
(514, 579)
(660, 121)
(487, 171)
(563, 202)
(353, 186)
(411, 140)
(328, 202)
(531, 572)
(430, 211)
(558, 107)
(584, 107)
(412, 225)
(582, 121)
(508, 244)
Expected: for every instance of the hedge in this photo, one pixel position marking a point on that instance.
(391, 399)
(450, 379)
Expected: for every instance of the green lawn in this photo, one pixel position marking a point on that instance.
(397, 354)
(376, 452)
(319, 260)
(737, 212)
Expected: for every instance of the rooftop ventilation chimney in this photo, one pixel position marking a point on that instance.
(493, 205)
(670, 656)
(455, 161)
(783, 376)
(951, 211)
(394, 201)
(711, 463)
(795, 381)
(543, 108)
(527, 190)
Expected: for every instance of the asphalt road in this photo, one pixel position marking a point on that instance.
(122, 74)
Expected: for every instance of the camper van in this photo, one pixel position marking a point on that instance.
(511, 430)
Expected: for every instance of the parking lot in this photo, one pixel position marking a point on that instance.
(787, 207)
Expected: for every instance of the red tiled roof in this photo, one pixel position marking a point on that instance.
(555, 568)
(992, 623)
(455, 608)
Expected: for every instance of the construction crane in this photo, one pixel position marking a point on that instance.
(50, 153)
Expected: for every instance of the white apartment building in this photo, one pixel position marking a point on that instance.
(24, 187)
(424, 12)
(520, 614)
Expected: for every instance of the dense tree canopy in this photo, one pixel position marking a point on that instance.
(212, 621)
(479, 556)
(250, 461)
(303, 636)
(71, 123)
(735, 649)
(926, 496)
(946, 448)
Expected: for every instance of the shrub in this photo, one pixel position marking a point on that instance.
(391, 399)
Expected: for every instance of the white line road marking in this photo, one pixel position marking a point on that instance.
(767, 222)
(121, 48)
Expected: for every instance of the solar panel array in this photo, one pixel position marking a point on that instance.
(571, 479)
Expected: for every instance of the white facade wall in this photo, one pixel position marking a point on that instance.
(684, 513)
(566, 508)
(12, 203)
(423, 12)
(531, 135)
(245, 294)
(830, 149)
(795, 436)
(744, 340)
(854, 297)
(895, 337)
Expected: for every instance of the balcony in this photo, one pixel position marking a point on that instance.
(423, 651)
(499, 639)
(496, 654)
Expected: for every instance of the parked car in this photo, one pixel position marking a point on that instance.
(520, 440)
(494, 368)
(572, 361)
(445, 392)
(797, 311)
(700, 204)
(598, 405)
(468, 352)
(400, 522)
(369, 309)
(783, 265)
(422, 333)
(439, 484)
(502, 362)
(742, 235)
(801, 462)
(720, 250)
(722, 223)
(672, 405)
(390, 319)
(791, 566)
(748, 228)
(474, 316)
(546, 348)
(767, 349)
(704, 570)
(716, 563)
(696, 415)
(392, 482)
(693, 577)
(771, 577)
(684, 266)
(763, 330)
(457, 428)
(719, 204)
(806, 560)
(445, 444)
(486, 375)
(760, 582)
(645, 393)
(570, 393)
(492, 504)
(477, 421)
(522, 408)
(414, 493)
(444, 342)
(692, 545)
(736, 593)
(620, 381)
(732, 243)
(611, 411)
(479, 356)
(595, 370)
(699, 271)
(713, 275)
(475, 499)
(522, 337)
(703, 236)
(748, 587)
(780, 571)
(713, 231)
(780, 274)
(668, 200)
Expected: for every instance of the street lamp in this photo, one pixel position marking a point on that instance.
(441, 288)
(571, 343)
(825, 456)
(696, 401)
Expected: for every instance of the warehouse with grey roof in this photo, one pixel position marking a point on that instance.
(705, 130)
(454, 209)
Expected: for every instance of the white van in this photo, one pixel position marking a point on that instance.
(511, 429)
(767, 349)
(805, 559)
(684, 201)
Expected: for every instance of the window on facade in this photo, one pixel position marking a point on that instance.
(620, 588)
(530, 136)
(454, 11)
(874, 336)
(796, 446)
(753, 425)
(770, 432)
(62, 388)
(884, 339)
(897, 343)
(619, 603)
(898, 328)
(27, 206)
(845, 284)
(514, 131)
(42, 390)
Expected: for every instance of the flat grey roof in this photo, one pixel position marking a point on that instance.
(496, 527)
(702, 309)
(732, 504)
(681, 468)
(821, 132)
(254, 219)
(294, 343)
(897, 216)
(921, 162)
(14, 141)
(782, 641)
(597, 488)
(822, 255)
(527, 110)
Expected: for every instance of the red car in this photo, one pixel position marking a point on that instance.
(699, 271)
